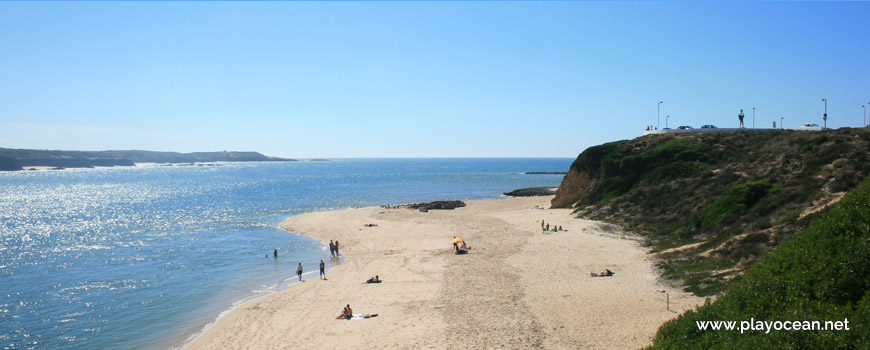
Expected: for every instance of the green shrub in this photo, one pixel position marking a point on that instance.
(823, 274)
(732, 204)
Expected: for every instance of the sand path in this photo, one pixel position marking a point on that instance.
(519, 288)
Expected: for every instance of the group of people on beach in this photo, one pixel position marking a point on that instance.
(299, 270)
(545, 227)
(333, 248)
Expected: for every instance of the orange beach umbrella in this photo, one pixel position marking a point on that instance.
(457, 240)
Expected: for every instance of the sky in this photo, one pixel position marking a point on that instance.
(418, 79)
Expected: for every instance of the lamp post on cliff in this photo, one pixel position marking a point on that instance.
(753, 117)
(666, 121)
(865, 115)
(658, 114)
(780, 122)
(825, 116)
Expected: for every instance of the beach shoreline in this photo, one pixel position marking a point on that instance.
(517, 288)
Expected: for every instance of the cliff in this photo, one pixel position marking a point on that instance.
(711, 204)
(9, 164)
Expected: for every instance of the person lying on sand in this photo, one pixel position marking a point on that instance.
(606, 273)
(375, 279)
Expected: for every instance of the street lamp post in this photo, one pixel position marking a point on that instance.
(658, 114)
(865, 115)
(666, 121)
(753, 117)
(780, 122)
(825, 116)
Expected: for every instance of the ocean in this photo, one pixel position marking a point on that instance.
(146, 257)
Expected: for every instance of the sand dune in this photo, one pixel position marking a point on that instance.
(519, 288)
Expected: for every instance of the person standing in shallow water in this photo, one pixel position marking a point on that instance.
(331, 248)
(322, 270)
(336, 249)
(299, 272)
(275, 253)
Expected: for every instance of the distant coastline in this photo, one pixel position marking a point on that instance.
(545, 173)
(21, 159)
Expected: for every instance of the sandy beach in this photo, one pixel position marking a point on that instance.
(518, 288)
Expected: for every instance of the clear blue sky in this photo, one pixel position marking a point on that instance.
(418, 79)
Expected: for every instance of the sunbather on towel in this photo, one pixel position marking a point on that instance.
(375, 279)
(606, 273)
(346, 314)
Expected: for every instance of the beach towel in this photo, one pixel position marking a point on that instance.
(360, 317)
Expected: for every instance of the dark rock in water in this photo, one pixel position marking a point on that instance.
(442, 205)
(532, 192)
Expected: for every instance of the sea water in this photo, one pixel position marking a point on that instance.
(146, 257)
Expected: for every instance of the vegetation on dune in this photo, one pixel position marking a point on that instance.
(732, 204)
(711, 204)
(823, 274)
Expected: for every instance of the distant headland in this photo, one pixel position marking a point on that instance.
(20, 159)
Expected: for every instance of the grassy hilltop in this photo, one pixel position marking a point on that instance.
(711, 204)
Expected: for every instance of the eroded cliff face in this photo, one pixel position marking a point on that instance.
(573, 186)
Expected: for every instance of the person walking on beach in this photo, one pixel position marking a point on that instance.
(542, 224)
(331, 248)
(336, 249)
(299, 272)
(322, 270)
(740, 116)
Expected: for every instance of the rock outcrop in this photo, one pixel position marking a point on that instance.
(532, 192)
(441, 205)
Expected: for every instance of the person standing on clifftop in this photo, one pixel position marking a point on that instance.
(740, 116)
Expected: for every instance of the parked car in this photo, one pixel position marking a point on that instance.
(684, 127)
(709, 126)
(809, 126)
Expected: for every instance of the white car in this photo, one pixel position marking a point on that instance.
(809, 126)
